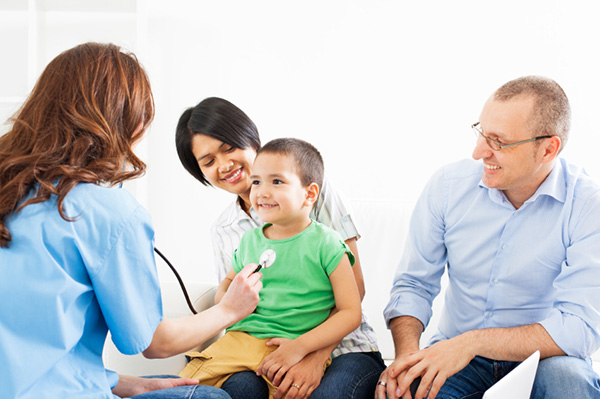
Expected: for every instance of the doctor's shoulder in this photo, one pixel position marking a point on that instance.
(109, 203)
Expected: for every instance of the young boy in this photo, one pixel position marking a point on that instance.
(309, 298)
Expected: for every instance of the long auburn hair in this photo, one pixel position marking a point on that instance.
(78, 125)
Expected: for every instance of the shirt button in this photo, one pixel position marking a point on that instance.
(504, 246)
(495, 281)
(489, 315)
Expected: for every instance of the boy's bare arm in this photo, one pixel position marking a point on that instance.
(344, 319)
(224, 286)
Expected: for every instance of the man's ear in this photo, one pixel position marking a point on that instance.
(312, 194)
(551, 149)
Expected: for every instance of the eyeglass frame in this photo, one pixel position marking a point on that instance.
(479, 132)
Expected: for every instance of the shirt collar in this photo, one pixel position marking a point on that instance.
(553, 186)
(239, 214)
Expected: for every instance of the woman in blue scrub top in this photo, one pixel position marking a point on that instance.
(76, 253)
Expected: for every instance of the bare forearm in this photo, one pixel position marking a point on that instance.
(512, 344)
(175, 336)
(323, 354)
(330, 332)
(406, 332)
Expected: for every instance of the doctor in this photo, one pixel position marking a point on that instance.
(76, 254)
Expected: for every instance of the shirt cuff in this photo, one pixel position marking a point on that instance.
(575, 337)
(407, 303)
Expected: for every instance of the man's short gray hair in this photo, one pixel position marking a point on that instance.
(551, 113)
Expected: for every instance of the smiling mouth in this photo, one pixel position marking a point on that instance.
(233, 177)
(492, 167)
(267, 206)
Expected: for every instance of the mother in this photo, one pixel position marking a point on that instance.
(217, 143)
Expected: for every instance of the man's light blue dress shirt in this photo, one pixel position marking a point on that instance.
(507, 267)
(64, 284)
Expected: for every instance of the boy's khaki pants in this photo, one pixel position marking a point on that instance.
(234, 352)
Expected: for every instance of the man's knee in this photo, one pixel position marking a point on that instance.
(564, 377)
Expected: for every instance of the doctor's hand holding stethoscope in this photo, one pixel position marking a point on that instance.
(175, 336)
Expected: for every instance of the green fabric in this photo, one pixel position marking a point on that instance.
(297, 295)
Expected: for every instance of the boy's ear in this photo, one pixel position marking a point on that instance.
(312, 193)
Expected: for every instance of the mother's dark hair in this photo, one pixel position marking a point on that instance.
(216, 118)
(78, 125)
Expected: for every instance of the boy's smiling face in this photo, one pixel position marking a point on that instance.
(277, 193)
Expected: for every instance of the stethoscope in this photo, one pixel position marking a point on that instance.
(266, 260)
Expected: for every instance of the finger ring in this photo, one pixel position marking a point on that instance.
(382, 383)
(296, 386)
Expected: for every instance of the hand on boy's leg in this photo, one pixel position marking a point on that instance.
(294, 391)
(275, 365)
(307, 375)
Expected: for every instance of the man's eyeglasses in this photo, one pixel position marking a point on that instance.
(496, 145)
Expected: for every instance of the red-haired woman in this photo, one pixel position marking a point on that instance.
(76, 252)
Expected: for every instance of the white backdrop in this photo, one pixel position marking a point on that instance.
(385, 89)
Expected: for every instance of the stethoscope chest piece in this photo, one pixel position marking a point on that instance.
(266, 260)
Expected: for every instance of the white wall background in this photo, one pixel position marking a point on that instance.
(385, 89)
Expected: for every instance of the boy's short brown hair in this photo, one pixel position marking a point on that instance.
(308, 160)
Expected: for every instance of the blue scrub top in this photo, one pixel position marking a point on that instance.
(63, 285)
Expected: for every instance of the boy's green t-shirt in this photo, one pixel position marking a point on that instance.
(297, 295)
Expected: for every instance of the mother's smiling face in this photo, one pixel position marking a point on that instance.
(224, 166)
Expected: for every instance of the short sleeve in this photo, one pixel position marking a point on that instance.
(331, 211)
(333, 249)
(112, 377)
(126, 284)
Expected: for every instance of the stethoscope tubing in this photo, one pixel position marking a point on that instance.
(185, 293)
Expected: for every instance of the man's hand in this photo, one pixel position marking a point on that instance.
(391, 376)
(434, 365)
(406, 332)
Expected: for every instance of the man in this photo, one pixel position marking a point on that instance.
(519, 234)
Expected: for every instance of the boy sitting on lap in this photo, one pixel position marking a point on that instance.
(309, 298)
